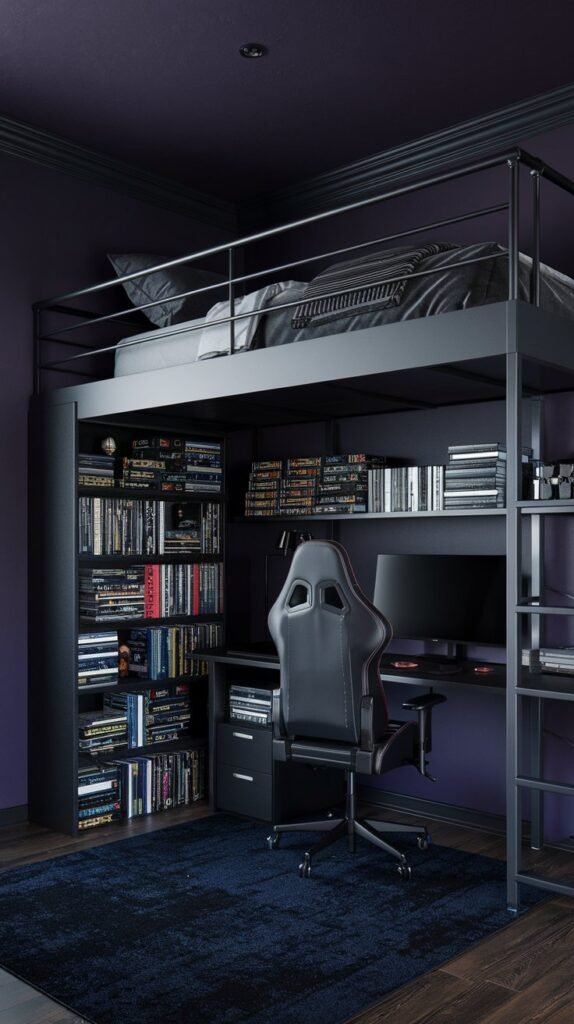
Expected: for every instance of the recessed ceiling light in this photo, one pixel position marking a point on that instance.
(252, 50)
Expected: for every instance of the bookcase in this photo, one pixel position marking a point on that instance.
(126, 586)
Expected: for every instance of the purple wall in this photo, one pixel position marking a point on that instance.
(56, 232)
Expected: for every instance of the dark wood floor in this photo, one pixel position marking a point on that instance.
(523, 974)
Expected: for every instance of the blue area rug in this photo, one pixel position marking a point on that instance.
(202, 923)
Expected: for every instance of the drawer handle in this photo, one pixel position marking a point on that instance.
(242, 736)
(244, 778)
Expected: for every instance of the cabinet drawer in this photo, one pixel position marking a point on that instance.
(244, 792)
(241, 744)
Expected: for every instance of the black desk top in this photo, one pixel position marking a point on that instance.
(412, 670)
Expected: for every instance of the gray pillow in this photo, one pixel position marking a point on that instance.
(163, 284)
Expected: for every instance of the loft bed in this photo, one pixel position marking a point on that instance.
(513, 342)
(368, 316)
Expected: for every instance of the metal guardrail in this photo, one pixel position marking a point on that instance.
(513, 159)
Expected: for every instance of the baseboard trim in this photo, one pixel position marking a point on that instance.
(433, 810)
(422, 157)
(23, 140)
(13, 815)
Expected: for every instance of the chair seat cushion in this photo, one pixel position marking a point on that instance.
(396, 747)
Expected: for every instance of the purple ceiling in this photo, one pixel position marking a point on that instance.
(162, 86)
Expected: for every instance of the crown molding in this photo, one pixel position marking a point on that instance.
(351, 183)
(461, 143)
(23, 140)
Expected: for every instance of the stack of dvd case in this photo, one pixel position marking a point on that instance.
(405, 488)
(475, 476)
(550, 659)
(96, 470)
(250, 704)
(262, 497)
(158, 781)
(343, 483)
(98, 659)
(174, 465)
(310, 485)
(146, 526)
(165, 652)
(102, 732)
(111, 593)
(99, 796)
(298, 485)
(153, 716)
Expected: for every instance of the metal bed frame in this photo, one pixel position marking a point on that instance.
(497, 346)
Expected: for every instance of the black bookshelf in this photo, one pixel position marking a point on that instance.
(56, 701)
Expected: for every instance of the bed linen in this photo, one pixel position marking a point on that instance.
(201, 338)
(449, 287)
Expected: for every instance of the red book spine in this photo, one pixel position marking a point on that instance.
(195, 610)
(151, 591)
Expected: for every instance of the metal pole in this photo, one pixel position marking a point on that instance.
(435, 179)
(535, 721)
(231, 261)
(513, 594)
(535, 276)
(513, 230)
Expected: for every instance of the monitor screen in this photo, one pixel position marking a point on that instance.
(456, 598)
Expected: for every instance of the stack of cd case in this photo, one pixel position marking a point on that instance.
(250, 704)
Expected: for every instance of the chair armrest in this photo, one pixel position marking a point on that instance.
(367, 737)
(422, 701)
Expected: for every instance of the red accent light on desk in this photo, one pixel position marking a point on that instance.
(404, 664)
(483, 670)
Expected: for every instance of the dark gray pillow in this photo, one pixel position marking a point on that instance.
(163, 284)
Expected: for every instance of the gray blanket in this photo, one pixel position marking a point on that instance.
(449, 287)
(374, 280)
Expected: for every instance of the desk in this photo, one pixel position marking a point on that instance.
(243, 777)
(437, 672)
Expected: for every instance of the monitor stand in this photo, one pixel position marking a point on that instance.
(448, 662)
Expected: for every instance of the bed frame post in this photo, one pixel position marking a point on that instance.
(514, 168)
(231, 271)
(535, 277)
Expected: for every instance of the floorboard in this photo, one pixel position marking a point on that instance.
(520, 975)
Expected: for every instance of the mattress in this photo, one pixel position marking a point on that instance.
(448, 287)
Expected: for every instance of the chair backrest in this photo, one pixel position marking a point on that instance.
(329, 638)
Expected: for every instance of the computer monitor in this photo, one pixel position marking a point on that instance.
(460, 599)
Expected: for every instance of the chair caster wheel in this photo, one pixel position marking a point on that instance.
(423, 842)
(305, 868)
(404, 871)
(273, 841)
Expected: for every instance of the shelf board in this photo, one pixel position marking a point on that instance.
(129, 685)
(185, 743)
(149, 495)
(93, 626)
(336, 516)
(549, 685)
(544, 609)
(180, 557)
(564, 506)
